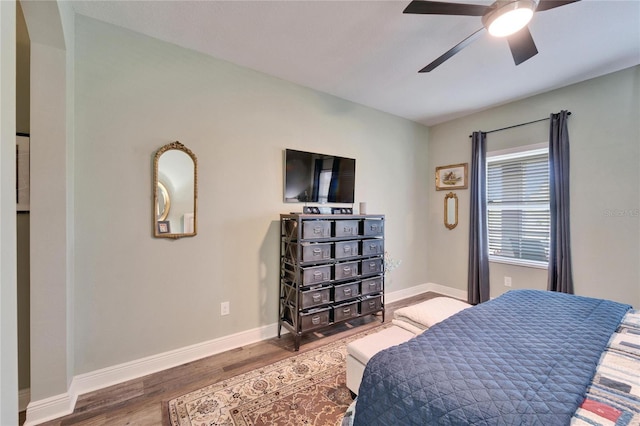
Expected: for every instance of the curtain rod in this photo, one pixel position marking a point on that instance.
(518, 125)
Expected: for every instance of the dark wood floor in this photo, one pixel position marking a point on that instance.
(139, 402)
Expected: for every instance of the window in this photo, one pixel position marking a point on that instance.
(518, 206)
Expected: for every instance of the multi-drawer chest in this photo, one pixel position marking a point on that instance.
(331, 270)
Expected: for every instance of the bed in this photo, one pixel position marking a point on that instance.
(526, 357)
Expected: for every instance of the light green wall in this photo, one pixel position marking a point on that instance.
(8, 260)
(51, 216)
(137, 296)
(605, 186)
(49, 242)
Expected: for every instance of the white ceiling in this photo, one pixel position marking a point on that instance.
(369, 52)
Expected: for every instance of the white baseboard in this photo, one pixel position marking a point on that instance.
(63, 404)
(423, 288)
(50, 408)
(394, 296)
(99, 379)
(448, 291)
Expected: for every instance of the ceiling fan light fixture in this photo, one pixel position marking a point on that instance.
(509, 17)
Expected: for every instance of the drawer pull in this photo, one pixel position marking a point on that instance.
(317, 251)
(316, 297)
(372, 284)
(346, 310)
(317, 230)
(315, 320)
(347, 229)
(372, 265)
(372, 304)
(374, 227)
(347, 269)
(373, 246)
(347, 249)
(347, 291)
(318, 276)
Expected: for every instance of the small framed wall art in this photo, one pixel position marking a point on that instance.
(164, 227)
(451, 177)
(22, 172)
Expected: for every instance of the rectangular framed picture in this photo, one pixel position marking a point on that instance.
(164, 227)
(450, 177)
(22, 173)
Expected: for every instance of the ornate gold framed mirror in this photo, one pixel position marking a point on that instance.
(175, 192)
(450, 210)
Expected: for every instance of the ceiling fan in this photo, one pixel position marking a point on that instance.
(504, 18)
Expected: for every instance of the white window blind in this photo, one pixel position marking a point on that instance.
(518, 207)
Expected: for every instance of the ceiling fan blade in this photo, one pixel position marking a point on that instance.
(551, 4)
(441, 8)
(455, 49)
(522, 46)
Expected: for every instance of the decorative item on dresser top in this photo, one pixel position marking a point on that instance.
(331, 270)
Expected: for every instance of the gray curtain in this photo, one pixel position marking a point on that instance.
(560, 273)
(478, 240)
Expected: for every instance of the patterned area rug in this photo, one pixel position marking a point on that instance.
(305, 389)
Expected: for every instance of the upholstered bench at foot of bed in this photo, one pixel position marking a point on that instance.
(360, 351)
(407, 323)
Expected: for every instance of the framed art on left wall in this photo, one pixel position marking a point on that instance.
(22, 173)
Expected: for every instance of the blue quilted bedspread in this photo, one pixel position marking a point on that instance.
(524, 358)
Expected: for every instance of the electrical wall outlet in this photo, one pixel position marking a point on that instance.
(224, 308)
(507, 281)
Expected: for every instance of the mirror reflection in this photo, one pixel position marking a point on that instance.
(175, 192)
(450, 210)
(164, 202)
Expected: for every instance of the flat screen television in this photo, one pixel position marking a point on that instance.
(318, 178)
